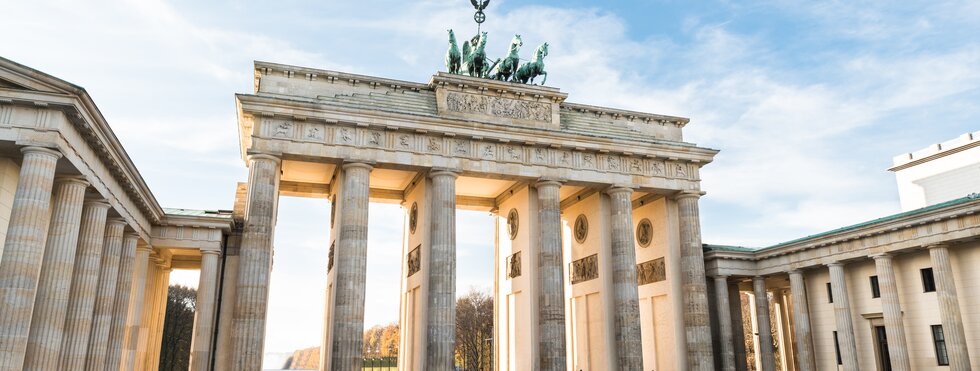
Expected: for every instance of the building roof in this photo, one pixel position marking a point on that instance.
(193, 212)
(962, 200)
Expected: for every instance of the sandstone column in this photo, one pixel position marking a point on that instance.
(255, 262)
(725, 324)
(135, 315)
(551, 291)
(441, 331)
(351, 265)
(842, 316)
(801, 322)
(765, 324)
(163, 290)
(949, 309)
(55, 279)
(891, 310)
(695, 298)
(150, 303)
(207, 295)
(629, 355)
(104, 300)
(23, 252)
(123, 299)
(738, 332)
(85, 276)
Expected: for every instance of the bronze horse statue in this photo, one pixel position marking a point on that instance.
(475, 56)
(453, 58)
(508, 66)
(529, 70)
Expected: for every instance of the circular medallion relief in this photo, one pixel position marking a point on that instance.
(513, 223)
(413, 217)
(581, 230)
(644, 232)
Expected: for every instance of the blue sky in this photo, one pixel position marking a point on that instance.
(808, 100)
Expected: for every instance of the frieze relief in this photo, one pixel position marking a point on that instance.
(514, 265)
(498, 107)
(584, 269)
(414, 261)
(428, 143)
(650, 272)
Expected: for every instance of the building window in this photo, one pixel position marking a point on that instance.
(928, 282)
(837, 349)
(940, 341)
(830, 293)
(875, 290)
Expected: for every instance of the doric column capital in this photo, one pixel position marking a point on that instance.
(795, 271)
(834, 264)
(79, 180)
(689, 194)
(210, 252)
(131, 235)
(758, 278)
(96, 202)
(935, 245)
(264, 156)
(616, 189)
(546, 182)
(881, 256)
(357, 165)
(41, 150)
(115, 222)
(721, 277)
(442, 173)
(144, 247)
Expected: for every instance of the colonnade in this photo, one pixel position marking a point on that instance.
(345, 308)
(802, 341)
(66, 274)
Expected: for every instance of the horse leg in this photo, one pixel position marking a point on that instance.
(545, 77)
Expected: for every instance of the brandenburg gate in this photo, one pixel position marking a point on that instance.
(598, 254)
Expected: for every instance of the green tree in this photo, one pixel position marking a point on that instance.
(178, 328)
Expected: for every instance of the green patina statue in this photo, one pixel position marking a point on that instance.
(508, 66)
(453, 58)
(529, 70)
(473, 60)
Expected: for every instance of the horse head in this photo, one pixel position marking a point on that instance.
(483, 39)
(516, 42)
(452, 37)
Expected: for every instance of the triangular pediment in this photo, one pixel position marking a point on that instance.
(16, 76)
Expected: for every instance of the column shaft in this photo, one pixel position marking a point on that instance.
(738, 331)
(891, 310)
(207, 295)
(135, 316)
(156, 337)
(949, 309)
(551, 286)
(351, 266)
(85, 276)
(441, 318)
(105, 298)
(629, 355)
(696, 318)
(725, 324)
(149, 309)
(765, 324)
(842, 316)
(122, 301)
(801, 322)
(23, 252)
(51, 300)
(255, 263)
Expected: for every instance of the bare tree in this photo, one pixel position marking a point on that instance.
(474, 331)
(178, 328)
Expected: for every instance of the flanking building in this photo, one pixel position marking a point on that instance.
(599, 263)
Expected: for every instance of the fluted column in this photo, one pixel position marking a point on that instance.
(207, 294)
(106, 295)
(150, 304)
(696, 318)
(160, 315)
(891, 310)
(122, 301)
(135, 315)
(949, 309)
(801, 322)
(23, 252)
(52, 289)
(842, 317)
(725, 324)
(738, 332)
(551, 286)
(765, 324)
(255, 262)
(351, 266)
(626, 302)
(85, 276)
(441, 330)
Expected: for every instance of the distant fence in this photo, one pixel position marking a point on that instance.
(379, 363)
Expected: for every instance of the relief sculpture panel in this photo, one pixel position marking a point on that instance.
(498, 107)
(650, 272)
(585, 269)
